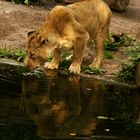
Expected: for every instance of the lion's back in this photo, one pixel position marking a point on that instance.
(91, 13)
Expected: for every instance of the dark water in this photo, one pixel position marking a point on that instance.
(61, 106)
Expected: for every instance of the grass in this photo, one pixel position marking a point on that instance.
(129, 46)
(17, 55)
(108, 54)
(119, 40)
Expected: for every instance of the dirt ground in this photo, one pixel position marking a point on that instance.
(128, 21)
(17, 20)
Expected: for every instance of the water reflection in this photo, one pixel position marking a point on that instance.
(67, 106)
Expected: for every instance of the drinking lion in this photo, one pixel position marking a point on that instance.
(70, 28)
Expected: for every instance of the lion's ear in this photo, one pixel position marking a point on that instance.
(29, 33)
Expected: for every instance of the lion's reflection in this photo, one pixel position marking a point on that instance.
(59, 109)
(66, 106)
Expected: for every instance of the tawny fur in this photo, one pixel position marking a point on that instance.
(70, 28)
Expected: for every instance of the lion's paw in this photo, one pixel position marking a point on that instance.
(95, 64)
(75, 68)
(50, 65)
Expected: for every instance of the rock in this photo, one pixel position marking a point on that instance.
(138, 74)
(71, 1)
(118, 5)
(11, 68)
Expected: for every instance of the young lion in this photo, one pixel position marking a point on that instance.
(69, 28)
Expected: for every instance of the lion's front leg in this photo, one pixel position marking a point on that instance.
(78, 53)
(55, 61)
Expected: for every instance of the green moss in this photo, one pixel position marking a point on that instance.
(90, 70)
(127, 72)
(108, 54)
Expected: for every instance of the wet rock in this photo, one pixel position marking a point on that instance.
(10, 68)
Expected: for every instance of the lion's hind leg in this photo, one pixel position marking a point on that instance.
(99, 43)
(99, 52)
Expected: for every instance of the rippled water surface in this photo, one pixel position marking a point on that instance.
(61, 106)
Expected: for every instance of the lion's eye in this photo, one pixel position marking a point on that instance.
(45, 42)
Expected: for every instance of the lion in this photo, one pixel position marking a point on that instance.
(68, 28)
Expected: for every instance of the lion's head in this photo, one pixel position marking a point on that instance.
(36, 50)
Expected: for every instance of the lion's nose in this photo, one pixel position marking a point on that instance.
(32, 67)
(28, 65)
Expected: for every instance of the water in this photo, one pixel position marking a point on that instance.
(61, 106)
